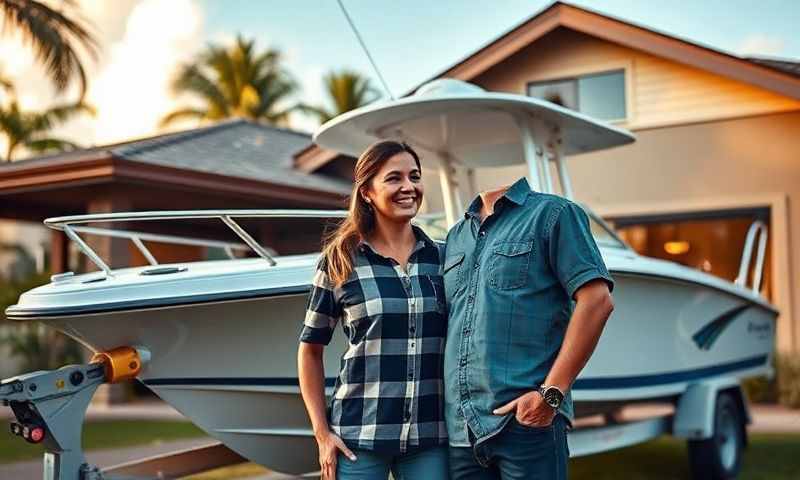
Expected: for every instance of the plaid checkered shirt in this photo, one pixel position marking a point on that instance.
(388, 396)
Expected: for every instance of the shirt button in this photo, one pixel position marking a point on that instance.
(477, 266)
(413, 344)
(411, 376)
(412, 329)
(482, 233)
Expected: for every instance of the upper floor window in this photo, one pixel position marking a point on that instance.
(599, 95)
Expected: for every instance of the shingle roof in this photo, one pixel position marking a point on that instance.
(234, 148)
(792, 67)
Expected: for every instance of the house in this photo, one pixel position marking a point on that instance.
(234, 164)
(717, 140)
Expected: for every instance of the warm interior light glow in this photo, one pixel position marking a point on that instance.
(676, 248)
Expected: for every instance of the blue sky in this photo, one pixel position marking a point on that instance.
(144, 41)
(412, 40)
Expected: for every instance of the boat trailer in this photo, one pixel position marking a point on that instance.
(49, 407)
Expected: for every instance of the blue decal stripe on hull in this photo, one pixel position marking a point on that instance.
(231, 381)
(706, 336)
(600, 383)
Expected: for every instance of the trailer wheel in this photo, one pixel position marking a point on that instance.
(720, 457)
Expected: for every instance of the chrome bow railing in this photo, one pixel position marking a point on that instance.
(757, 230)
(73, 225)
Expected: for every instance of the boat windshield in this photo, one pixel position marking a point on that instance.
(435, 226)
(602, 233)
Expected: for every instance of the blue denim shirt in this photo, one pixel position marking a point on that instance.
(509, 284)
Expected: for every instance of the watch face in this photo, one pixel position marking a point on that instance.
(553, 397)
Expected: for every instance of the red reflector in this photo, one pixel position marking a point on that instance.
(37, 434)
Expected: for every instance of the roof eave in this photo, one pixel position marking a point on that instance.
(105, 167)
(626, 34)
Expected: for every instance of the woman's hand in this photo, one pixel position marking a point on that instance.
(329, 446)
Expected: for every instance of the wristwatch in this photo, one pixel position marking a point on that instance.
(552, 395)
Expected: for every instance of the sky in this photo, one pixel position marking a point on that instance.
(144, 41)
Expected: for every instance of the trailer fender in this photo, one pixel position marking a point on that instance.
(694, 413)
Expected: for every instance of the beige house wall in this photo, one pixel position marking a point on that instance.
(704, 142)
(658, 92)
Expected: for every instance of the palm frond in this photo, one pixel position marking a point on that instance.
(182, 114)
(58, 114)
(50, 144)
(347, 90)
(54, 36)
(192, 80)
(6, 83)
(320, 112)
(237, 81)
(22, 128)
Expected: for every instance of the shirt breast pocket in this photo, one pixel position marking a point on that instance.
(453, 277)
(509, 264)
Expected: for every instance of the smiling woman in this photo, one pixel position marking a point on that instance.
(379, 277)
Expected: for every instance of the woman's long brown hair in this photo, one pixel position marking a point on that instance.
(341, 244)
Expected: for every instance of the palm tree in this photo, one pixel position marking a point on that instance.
(29, 129)
(235, 82)
(347, 90)
(55, 36)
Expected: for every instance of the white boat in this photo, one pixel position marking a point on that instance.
(222, 335)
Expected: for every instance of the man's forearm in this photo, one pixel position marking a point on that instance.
(580, 340)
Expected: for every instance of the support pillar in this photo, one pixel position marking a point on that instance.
(116, 252)
(59, 252)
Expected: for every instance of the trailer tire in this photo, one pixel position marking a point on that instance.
(720, 457)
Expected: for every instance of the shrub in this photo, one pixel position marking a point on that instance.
(788, 379)
(761, 390)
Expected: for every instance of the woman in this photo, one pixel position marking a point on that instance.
(379, 276)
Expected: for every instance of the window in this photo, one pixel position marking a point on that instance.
(600, 95)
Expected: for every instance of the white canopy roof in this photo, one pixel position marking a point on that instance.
(474, 127)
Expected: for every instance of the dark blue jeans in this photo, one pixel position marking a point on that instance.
(516, 453)
(422, 464)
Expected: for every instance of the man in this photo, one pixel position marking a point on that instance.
(515, 343)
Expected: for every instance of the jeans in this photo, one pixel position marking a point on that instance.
(428, 463)
(517, 452)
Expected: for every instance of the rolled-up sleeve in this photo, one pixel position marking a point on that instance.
(323, 310)
(573, 253)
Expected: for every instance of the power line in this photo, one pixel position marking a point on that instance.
(364, 46)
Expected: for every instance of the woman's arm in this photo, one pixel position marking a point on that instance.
(311, 373)
(312, 384)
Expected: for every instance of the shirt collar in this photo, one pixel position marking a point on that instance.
(519, 192)
(516, 193)
(423, 240)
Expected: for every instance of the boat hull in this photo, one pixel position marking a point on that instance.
(230, 366)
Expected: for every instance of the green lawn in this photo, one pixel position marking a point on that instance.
(106, 434)
(769, 457)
